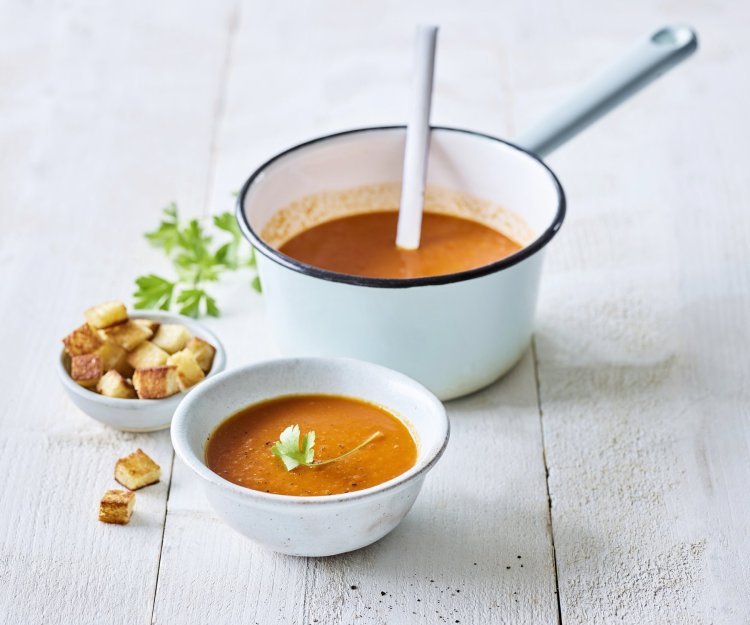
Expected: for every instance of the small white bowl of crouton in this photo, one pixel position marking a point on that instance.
(130, 371)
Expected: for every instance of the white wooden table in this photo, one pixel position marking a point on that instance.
(604, 480)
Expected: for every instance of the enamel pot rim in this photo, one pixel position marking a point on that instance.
(397, 283)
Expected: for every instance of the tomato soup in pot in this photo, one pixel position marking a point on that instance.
(456, 315)
(364, 244)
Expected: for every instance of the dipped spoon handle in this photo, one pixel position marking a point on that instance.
(647, 61)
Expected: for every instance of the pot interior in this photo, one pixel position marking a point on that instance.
(469, 175)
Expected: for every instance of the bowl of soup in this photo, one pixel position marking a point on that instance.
(377, 434)
(455, 314)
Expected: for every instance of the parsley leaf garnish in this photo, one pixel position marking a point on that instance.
(290, 451)
(294, 453)
(196, 260)
(154, 292)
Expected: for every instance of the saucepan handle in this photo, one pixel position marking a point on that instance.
(647, 61)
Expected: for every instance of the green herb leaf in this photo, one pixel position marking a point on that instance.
(222, 255)
(289, 450)
(293, 454)
(230, 252)
(166, 235)
(251, 262)
(191, 300)
(194, 243)
(227, 222)
(256, 285)
(153, 292)
(196, 261)
(212, 310)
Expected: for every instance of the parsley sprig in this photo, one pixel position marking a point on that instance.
(294, 453)
(196, 261)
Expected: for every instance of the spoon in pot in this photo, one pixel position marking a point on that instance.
(417, 143)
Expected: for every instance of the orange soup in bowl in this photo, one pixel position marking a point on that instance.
(244, 448)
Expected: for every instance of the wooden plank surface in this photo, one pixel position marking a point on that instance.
(95, 104)
(108, 113)
(643, 329)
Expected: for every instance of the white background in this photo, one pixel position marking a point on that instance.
(613, 460)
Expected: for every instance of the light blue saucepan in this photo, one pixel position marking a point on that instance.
(453, 333)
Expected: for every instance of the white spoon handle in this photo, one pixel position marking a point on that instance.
(647, 61)
(417, 143)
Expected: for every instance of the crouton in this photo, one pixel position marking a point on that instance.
(137, 470)
(114, 357)
(86, 369)
(147, 355)
(188, 369)
(156, 382)
(82, 340)
(112, 384)
(171, 337)
(106, 315)
(149, 324)
(116, 507)
(128, 335)
(204, 352)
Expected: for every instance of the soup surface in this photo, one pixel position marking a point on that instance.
(365, 245)
(239, 450)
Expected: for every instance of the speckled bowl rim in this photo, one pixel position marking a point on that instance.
(183, 450)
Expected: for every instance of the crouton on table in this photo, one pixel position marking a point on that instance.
(171, 337)
(112, 384)
(156, 382)
(149, 324)
(147, 355)
(106, 315)
(82, 340)
(116, 506)
(204, 352)
(86, 369)
(114, 357)
(188, 369)
(137, 470)
(127, 335)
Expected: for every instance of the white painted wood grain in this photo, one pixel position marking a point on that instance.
(643, 333)
(105, 116)
(109, 112)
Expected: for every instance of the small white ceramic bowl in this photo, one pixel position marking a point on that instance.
(138, 415)
(323, 525)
